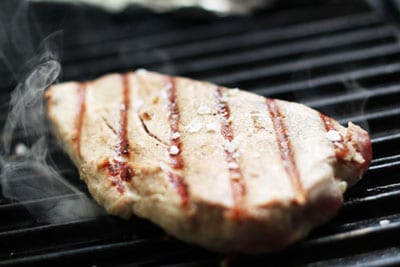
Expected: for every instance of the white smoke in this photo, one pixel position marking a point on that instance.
(27, 172)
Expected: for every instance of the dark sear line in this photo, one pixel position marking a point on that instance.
(123, 146)
(80, 115)
(341, 150)
(121, 171)
(236, 177)
(285, 150)
(175, 146)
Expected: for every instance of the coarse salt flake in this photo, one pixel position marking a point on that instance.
(233, 165)
(173, 150)
(141, 71)
(233, 92)
(164, 94)
(333, 136)
(175, 135)
(231, 146)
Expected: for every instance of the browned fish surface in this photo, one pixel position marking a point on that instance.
(222, 168)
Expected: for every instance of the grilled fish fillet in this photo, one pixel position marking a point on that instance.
(223, 168)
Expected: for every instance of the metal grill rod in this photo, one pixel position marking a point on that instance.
(329, 79)
(295, 47)
(155, 58)
(309, 63)
(226, 42)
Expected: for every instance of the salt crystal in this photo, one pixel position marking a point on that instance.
(173, 150)
(333, 136)
(233, 165)
(141, 71)
(231, 146)
(175, 135)
(233, 92)
(164, 94)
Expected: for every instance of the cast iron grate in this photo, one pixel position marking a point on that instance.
(341, 58)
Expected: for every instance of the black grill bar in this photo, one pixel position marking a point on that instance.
(286, 49)
(155, 58)
(381, 197)
(373, 115)
(114, 249)
(309, 63)
(354, 96)
(382, 257)
(157, 34)
(268, 36)
(361, 73)
(161, 55)
(225, 42)
(352, 230)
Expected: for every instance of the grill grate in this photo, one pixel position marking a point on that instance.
(343, 59)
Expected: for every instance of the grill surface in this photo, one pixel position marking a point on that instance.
(343, 59)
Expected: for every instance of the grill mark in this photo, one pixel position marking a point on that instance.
(123, 146)
(236, 177)
(80, 115)
(119, 171)
(176, 159)
(341, 150)
(285, 150)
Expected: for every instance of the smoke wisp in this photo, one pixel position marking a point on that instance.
(27, 173)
